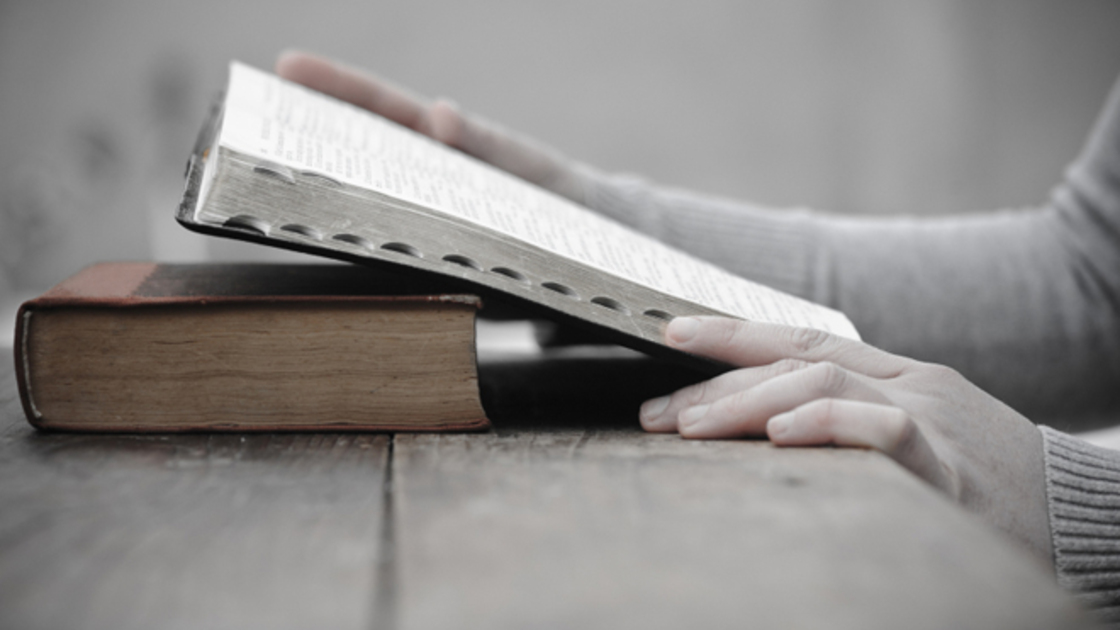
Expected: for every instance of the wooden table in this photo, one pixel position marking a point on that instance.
(566, 515)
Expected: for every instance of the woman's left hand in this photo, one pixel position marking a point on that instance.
(803, 387)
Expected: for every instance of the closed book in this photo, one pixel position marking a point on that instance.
(247, 347)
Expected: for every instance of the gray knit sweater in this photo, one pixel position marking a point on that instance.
(1024, 303)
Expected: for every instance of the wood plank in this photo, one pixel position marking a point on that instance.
(566, 515)
(187, 531)
(546, 524)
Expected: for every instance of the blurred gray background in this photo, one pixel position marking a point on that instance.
(872, 106)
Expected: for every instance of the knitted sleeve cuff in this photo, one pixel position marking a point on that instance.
(1083, 496)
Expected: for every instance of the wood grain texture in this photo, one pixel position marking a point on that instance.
(547, 524)
(186, 531)
(619, 529)
(566, 515)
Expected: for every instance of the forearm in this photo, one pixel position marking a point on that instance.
(995, 296)
(1024, 303)
(1007, 298)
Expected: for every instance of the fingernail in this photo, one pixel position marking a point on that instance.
(692, 415)
(682, 329)
(653, 408)
(779, 424)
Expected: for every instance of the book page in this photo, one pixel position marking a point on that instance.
(285, 123)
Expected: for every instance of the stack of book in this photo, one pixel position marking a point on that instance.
(147, 347)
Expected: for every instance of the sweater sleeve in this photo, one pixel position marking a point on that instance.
(1083, 497)
(1024, 303)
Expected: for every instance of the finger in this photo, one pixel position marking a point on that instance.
(746, 412)
(746, 343)
(857, 423)
(442, 120)
(660, 414)
(355, 87)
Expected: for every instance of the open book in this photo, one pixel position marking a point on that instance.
(283, 165)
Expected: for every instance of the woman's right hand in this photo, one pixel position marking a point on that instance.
(440, 119)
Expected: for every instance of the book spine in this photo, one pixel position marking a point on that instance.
(23, 369)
